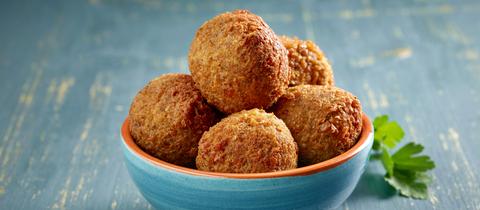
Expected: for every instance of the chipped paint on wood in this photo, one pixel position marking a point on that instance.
(363, 62)
(401, 53)
(454, 137)
(372, 101)
(454, 166)
(470, 182)
(411, 129)
(278, 17)
(427, 11)
(398, 32)
(99, 92)
(169, 62)
(433, 199)
(113, 205)
(51, 90)
(78, 189)
(456, 34)
(307, 20)
(119, 108)
(10, 149)
(182, 64)
(369, 60)
(45, 154)
(449, 32)
(443, 141)
(36, 194)
(469, 54)
(86, 129)
(177, 64)
(354, 14)
(63, 195)
(62, 91)
(384, 101)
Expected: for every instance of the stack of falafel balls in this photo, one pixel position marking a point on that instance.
(255, 102)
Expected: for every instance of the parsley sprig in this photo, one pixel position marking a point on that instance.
(406, 168)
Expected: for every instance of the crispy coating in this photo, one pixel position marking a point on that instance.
(168, 117)
(250, 141)
(308, 64)
(238, 62)
(325, 121)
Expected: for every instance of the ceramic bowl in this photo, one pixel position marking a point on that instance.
(320, 186)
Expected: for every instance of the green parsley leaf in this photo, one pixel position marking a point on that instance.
(389, 133)
(405, 169)
(387, 161)
(410, 184)
(407, 151)
(404, 158)
(376, 145)
(379, 121)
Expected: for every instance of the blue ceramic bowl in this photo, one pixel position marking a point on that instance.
(323, 185)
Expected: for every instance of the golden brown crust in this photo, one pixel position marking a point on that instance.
(308, 64)
(238, 62)
(250, 141)
(325, 121)
(168, 117)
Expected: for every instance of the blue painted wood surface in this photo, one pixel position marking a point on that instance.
(69, 70)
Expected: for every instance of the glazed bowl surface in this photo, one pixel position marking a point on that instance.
(324, 185)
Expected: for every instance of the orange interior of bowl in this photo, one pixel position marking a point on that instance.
(306, 170)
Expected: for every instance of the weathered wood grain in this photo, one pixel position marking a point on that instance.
(69, 70)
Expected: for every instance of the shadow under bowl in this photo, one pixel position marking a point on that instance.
(320, 186)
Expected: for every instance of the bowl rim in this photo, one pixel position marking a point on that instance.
(302, 171)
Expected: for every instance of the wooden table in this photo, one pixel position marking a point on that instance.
(69, 70)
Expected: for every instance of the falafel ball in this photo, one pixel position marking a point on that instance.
(238, 62)
(250, 141)
(325, 121)
(168, 117)
(308, 64)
